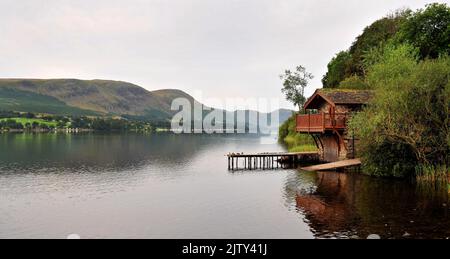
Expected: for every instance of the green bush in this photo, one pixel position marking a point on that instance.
(353, 82)
(407, 125)
(294, 141)
(428, 30)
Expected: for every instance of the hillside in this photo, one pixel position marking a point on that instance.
(98, 96)
(94, 97)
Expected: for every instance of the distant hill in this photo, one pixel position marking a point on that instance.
(97, 96)
(91, 98)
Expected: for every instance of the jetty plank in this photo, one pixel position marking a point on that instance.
(272, 154)
(331, 166)
(267, 160)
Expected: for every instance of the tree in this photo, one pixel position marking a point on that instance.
(405, 128)
(428, 30)
(351, 63)
(337, 70)
(294, 84)
(373, 36)
(30, 115)
(60, 125)
(353, 82)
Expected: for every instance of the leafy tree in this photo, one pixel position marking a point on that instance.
(294, 84)
(428, 30)
(353, 82)
(30, 115)
(350, 63)
(373, 36)
(48, 118)
(80, 123)
(9, 114)
(337, 70)
(60, 125)
(12, 124)
(405, 128)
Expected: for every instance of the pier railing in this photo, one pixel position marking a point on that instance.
(264, 161)
(319, 123)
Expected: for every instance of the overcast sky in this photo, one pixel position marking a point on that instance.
(223, 48)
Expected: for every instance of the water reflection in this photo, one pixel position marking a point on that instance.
(178, 186)
(138, 186)
(109, 151)
(345, 205)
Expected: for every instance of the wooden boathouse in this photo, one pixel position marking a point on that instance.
(327, 114)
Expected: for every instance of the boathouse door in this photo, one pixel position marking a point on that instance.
(331, 149)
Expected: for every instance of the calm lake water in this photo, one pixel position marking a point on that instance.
(178, 186)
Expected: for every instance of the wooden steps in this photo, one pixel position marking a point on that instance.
(332, 166)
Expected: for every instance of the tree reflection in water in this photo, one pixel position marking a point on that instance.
(349, 205)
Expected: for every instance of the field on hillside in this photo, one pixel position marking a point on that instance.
(24, 121)
(23, 101)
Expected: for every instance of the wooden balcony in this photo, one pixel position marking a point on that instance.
(319, 123)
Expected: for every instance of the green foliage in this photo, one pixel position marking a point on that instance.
(8, 124)
(294, 141)
(73, 97)
(351, 63)
(39, 122)
(35, 122)
(337, 70)
(434, 174)
(353, 82)
(373, 36)
(294, 84)
(428, 30)
(23, 101)
(406, 126)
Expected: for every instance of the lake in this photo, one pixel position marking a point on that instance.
(178, 186)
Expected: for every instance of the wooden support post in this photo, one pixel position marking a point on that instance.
(229, 165)
(273, 162)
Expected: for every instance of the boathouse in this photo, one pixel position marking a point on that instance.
(327, 114)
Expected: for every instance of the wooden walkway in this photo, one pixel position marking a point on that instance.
(332, 166)
(238, 161)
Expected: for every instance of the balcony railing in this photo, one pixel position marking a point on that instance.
(319, 123)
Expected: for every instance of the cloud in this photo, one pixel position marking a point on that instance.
(224, 48)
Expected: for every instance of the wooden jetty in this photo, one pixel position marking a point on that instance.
(332, 166)
(238, 161)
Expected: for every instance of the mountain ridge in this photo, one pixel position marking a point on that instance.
(92, 97)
